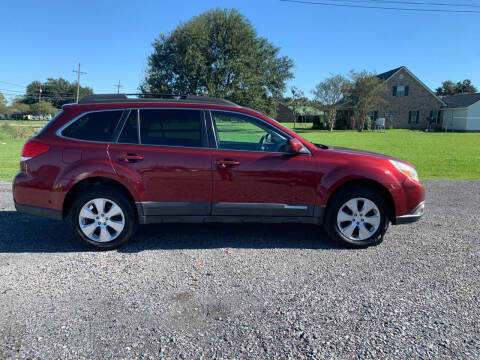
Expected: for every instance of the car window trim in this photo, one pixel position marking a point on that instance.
(215, 135)
(78, 117)
(122, 120)
(211, 133)
(121, 125)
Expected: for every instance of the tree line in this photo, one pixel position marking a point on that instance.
(43, 98)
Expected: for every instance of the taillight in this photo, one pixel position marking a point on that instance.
(32, 149)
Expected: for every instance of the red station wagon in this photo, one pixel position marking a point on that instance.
(111, 162)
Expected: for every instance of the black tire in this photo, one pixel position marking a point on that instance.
(341, 198)
(130, 218)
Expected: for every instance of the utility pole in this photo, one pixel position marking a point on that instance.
(78, 80)
(40, 93)
(118, 86)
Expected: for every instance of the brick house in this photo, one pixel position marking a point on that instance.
(409, 103)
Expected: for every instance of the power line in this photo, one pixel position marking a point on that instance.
(9, 83)
(48, 95)
(381, 7)
(13, 90)
(407, 3)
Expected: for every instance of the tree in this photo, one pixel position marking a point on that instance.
(365, 92)
(465, 87)
(43, 108)
(56, 91)
(3, 104)
(18, 107)
(328, 93)
(297, 100)
(218, 53)
(461, 87)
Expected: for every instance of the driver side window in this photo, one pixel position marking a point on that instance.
(240, 132)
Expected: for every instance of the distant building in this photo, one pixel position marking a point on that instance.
(462, 112)
(409, 103)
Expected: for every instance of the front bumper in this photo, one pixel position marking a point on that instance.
(414, 215)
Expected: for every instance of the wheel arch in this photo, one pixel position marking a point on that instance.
(90, 183)
(371, 184)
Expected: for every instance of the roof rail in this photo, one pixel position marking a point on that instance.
(115, 98)
(100, 98)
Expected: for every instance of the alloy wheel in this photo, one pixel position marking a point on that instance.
(101, 220)
(358, 219)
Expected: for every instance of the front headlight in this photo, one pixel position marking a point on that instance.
(407, 170)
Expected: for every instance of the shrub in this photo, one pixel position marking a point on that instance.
(18, 132)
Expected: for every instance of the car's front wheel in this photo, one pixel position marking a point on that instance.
(357, 216)
(103, 219)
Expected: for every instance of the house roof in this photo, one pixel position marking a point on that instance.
(388, 74)
(461, 100)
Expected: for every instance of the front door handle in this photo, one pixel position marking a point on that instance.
(131, 158)
(227, 163)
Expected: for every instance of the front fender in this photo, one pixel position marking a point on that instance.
(346, 173)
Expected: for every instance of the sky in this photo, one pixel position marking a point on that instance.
(112, 40)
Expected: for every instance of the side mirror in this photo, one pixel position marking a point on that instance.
(294, 146)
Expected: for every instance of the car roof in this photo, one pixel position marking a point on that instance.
(154, 98)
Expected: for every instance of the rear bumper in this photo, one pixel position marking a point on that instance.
(414, 215)
(39, 211)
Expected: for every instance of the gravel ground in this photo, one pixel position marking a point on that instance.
(245, 291)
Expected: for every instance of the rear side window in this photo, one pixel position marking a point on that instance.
(94, 126)
(171, 127)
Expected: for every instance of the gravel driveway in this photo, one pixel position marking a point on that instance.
(245, 291)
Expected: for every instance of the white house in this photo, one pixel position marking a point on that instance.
(462, 112)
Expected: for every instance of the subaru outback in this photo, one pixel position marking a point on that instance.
(110, 163)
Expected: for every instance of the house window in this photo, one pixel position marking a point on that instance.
(413, 117)
(433, 117)
(400, 90)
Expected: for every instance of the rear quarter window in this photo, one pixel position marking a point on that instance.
(94, 126)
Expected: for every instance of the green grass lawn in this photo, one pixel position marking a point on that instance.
(435, 155)
(35, 123)
(9, 156)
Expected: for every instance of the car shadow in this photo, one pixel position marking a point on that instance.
(30, 234)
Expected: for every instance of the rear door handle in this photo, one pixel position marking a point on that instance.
(227, 163)
(131, 158)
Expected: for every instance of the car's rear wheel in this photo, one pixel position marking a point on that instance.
(357, 216)
(103, 219)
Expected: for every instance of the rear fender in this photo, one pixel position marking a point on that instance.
(85, 170)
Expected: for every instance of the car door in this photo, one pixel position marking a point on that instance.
(252, 173)
(164, 151)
